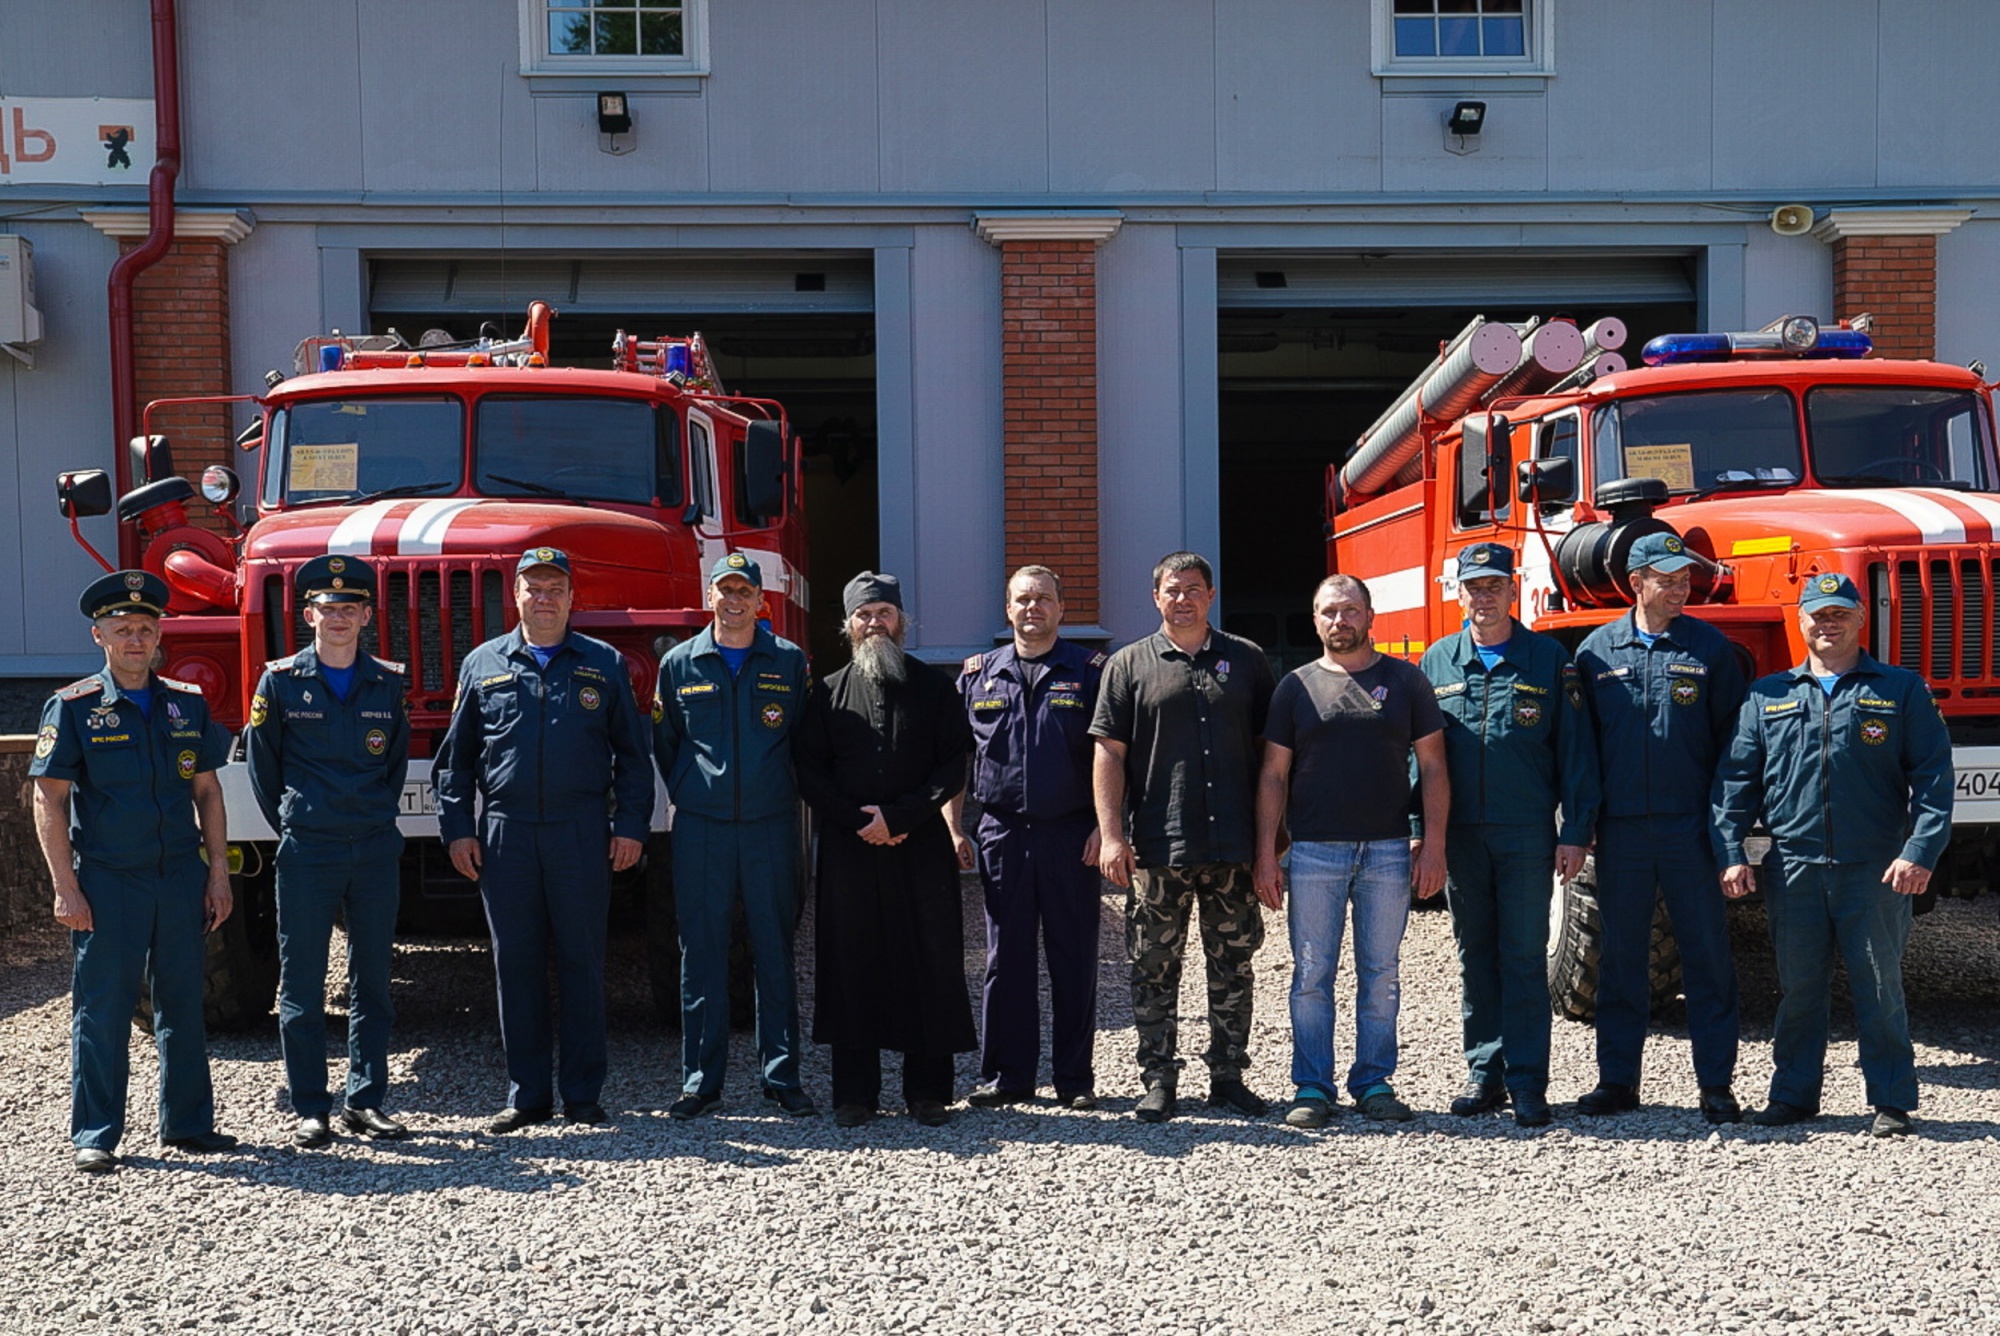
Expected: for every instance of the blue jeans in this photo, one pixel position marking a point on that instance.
(1374, 876)
(1501, 880)
(1818, 911)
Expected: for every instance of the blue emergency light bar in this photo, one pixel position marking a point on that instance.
(1794, 336)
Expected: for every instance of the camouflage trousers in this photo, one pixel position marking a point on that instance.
(1156, 935)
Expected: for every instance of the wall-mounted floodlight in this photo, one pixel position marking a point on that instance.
(613, 117)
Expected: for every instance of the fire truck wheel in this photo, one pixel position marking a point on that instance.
(663, 931)
(1576, 943)
(242, 982)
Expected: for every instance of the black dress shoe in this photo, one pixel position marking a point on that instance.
(993, 1095)
(792, 1100)
(590, 1113)
(1478, 1098)
(1780, 1114)
(1231, 1093)
(1531, 1109)
(1609, 1097)
(202, 1143)
(373, 1124)
(689, 1107)
(852, 1115)
(513, 1120)
(1718, 1105)
(930, 1112)
(312, 1132)
(1081, 1100)
(91, 1160)
(1156, 1105)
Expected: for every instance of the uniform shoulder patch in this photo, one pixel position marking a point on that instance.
(399, 669)
(284, 665)
(78, 690)
(1099, 659)
(174, 685)
(973, 663)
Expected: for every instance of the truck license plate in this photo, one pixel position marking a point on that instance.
(1979, 782)
(417, 800)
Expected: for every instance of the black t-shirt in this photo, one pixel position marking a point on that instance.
(1350, 736)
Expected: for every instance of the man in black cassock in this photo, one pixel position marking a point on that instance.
(881, 748)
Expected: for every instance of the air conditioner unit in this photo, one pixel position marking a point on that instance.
(20, 318)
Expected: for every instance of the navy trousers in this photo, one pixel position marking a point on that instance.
(547, 889)
(317, 880)
(1038, 887)
(1500, 883)
(717, 863)
(145, 926)
(1639, 858)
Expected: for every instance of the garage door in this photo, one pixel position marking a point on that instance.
(799, 284)
(1541, 280)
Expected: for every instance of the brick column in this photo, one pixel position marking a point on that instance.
(1048, 333)
(180, 336)
(1885, 264)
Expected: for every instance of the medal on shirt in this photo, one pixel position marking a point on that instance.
(1222, 670)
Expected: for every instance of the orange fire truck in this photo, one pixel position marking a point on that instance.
(1777, 455)
(438, 465)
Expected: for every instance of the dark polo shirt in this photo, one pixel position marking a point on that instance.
(1190, 725)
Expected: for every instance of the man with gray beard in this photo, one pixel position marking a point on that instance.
(880, 749)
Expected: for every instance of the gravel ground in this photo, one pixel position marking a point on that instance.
(1023, 1220)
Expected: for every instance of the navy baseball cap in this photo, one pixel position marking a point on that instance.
(1484, 559)
(334, 579)
(1664, 552)
(736, 564)
(543, 556)
(1829, 591)
(122, 593)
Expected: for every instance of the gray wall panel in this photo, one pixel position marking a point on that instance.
(793, 103)
(1141, 451)
(1934, 52)
(1786, 276)
(955, 322)
(1301, 114)
(964, 97)
(429, 125)
(1968, 275)
(99, 48)
(1512, 154)
(895, 428)
(1795, 93)
(1631, 109)
(668, 145)
(274, 301)
(1132, 97)
(271, 96)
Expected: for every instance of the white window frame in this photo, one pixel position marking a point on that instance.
(576, 73)
(1538, 63)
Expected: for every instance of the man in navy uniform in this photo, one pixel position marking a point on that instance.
(728, 701)
(1848, 763)
(1663, 690)
(126, 802)
(547, 733)
(1030, 704)
(1517, 747)
(328, 744)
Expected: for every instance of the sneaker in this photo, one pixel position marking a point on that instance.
(1718, 1105)
(1891, 1122)
(792, 1100)
(1381, 1105)
(1231, 1093)
(1479, 1097)
(1309, 1111)
(1081, 1100)
(1780, 1114)
(1156, 1105)
(692, 1106)
(1607, 1099)
(993, 1095)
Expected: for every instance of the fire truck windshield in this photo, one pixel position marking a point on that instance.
(1699, 441)
(343, 449)
(1891, 436)
(577, 448)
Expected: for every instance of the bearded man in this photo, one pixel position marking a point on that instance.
(880, 750)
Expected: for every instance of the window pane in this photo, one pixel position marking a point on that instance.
(1503, 6)
(1504, 37)
(569, 33)
(1458, 37)
(1416, 6)
(660, 34)
(1458, 6)
(611, 449)
(347, 448)
(617, 34)
(674, 5)
(1415, 37)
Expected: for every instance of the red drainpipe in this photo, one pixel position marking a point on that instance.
(160, 235)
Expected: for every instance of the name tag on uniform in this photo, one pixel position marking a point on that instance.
(1531, 689)
(782, 688)
(585, 670)
(378, 714)
(998, 704)
(1868, 702)
(1451, 689)
(1614, 672)
(697, 689)
(1784, 707)
(105, 739)
(1065, 703)
(498, 679)
(1687, 669)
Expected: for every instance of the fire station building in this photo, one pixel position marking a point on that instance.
(1075, 283)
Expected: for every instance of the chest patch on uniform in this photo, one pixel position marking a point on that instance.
(1449, 689)
(103, 717)
(1065, 703)
(995, 704)
(45, 741)
(588, 698)
(1786, 707)
(772, 715)
(1529, 689)
(1687, 670)
(498, 679)
(697, 689)
(584, 670)
(185, 764)
(1868, 702)
(781, 688)
(1609, 673)
(1874, 732)
(1684, 692)
(1528, 713)
(377, 742)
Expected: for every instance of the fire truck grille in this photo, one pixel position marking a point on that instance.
(1939, 611)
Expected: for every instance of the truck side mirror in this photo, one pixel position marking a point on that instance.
(1500, 448)
(152, 459)
(1546, 481)
(83, 493)
(761, 474)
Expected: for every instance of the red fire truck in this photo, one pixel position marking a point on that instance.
(438, 465)
(1777, 455)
